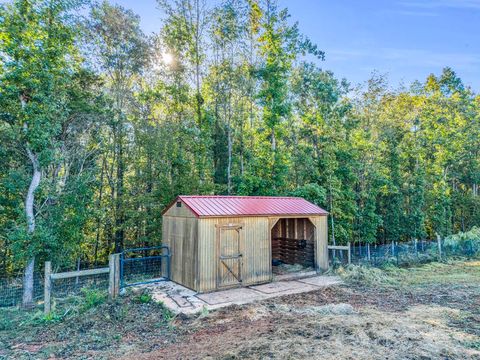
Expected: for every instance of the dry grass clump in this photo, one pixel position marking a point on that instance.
(329, 309)
(363, 275)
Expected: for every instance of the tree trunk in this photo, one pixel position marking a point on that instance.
(120, 211)
(99, 218)
(230, 146)
(27, 300)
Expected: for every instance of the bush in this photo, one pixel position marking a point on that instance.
(464, 243)
(143, 298)
(92, 298)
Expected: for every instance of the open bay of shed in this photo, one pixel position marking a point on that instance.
(180, 299)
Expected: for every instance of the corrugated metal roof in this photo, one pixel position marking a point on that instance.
(205, 206)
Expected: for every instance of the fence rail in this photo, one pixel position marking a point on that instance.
(113, 270)
(341, 248)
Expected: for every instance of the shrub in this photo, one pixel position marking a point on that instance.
(464, 243)
(144, 298)
(92, 298)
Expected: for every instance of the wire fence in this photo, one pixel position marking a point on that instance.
(146, 265)
(11, 289)
(403, 254)
(63, 288)
(150, 264)
(143, 265)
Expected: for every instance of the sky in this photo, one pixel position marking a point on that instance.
(405, 39)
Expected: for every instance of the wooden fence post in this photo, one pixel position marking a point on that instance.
(349, 253)
(439, 243)
(114, 275)
(47, 288)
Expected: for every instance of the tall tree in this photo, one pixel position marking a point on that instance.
(39, 62)
(121, 52)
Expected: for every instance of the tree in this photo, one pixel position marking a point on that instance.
(279, 45)
(121, 52)
(39, 60)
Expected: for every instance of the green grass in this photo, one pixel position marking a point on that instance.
(143, 298)
(459, 272)
(92, 298)
(435, 273)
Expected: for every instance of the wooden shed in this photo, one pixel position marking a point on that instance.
(218, 242)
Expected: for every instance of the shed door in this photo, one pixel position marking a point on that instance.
(229, 245)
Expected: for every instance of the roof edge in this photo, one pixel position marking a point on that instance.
(177, 198)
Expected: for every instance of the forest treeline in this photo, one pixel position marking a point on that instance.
(101, 126)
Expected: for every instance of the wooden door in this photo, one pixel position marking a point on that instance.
(229, 246)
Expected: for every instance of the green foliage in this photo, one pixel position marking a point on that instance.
(53, 317)
(311, 192)
(47, 110)
(144, 298)
(92, 298)
(167, 315)
(204, 312)
(222, 100)
(464, 242)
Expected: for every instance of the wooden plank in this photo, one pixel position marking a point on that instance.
(70, 274)
(338, 247)
(256, 250)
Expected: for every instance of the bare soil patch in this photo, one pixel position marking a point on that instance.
(432, 312)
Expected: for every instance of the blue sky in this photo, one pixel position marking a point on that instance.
(406, 39)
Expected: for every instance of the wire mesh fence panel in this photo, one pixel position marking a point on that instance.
(63, 288)
(141, 270)
(410, 253)
(142, 265)
(338, 257)
(468, 248)
(11, 290)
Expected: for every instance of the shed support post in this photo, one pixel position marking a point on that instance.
(322, 243)
(47, 307)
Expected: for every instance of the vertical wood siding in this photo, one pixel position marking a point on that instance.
(256, 260)
(180, 234)
(321, 234)
(195, 254)
(182, 211)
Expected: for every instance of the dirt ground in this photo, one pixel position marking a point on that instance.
(429, 312)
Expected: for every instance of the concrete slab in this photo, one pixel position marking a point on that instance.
(233, 296)
(276, 287)
(179, 299)
(295, 275)
(321, 280)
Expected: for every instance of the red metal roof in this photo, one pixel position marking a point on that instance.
(205, 206)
